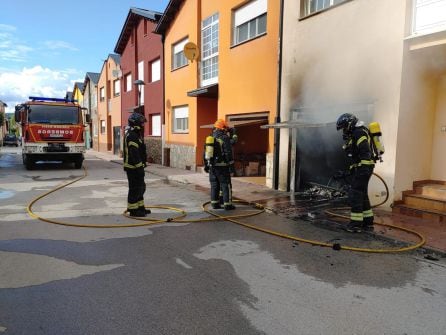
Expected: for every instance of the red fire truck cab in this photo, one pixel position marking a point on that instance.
(52, 130)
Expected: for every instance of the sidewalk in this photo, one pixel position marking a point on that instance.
(282, 204)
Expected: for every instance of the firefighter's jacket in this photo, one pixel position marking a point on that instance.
(358, 148)
(135, 155)
(222, 148)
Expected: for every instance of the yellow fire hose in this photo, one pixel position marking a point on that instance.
(258, 208)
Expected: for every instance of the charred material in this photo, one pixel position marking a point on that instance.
(311, 203)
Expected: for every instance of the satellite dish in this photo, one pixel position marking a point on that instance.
(191, 51)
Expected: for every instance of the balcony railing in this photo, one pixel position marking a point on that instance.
(429, 16)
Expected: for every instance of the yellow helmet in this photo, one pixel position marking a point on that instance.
(220, 124)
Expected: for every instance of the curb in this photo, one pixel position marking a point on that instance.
(425, 250)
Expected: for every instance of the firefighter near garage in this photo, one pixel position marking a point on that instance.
(219, 163)
(363, 148)
(135, 158)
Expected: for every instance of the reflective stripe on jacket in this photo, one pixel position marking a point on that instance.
(361, 148)
(134, 151)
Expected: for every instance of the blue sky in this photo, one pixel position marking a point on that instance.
(47, 45)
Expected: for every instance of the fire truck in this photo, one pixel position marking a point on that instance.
(52, 130)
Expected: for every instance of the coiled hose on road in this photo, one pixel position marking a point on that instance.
(257, 209)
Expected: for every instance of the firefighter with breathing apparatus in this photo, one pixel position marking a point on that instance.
(363, 148)
(135, 158)
(219, 163)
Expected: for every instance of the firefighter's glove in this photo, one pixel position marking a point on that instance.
(348, 150)
(206, 168)
(233, 135)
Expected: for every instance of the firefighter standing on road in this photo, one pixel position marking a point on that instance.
(358, 148)
(135, 158)
(219, 164)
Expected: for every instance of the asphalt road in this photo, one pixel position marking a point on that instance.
(189, 278)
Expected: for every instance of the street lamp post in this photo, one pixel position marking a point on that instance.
(139, 83)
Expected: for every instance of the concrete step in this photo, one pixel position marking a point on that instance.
(437, 191)
(431, 215)
(424, 202)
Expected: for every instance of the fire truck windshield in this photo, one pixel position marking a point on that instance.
(53, 114)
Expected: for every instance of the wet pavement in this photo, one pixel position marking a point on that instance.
(196, 278)
(309, 208)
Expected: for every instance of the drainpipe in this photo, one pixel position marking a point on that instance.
(277, 118)
(163, 122)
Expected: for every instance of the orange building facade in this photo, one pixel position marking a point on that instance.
(109, 105)
(234, 78)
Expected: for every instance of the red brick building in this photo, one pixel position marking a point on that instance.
(141, 54)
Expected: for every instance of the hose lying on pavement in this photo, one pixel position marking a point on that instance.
(258, 208)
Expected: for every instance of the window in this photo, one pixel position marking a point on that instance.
(312, 6)
(180, 119)
(250, 21)
(102, 126)
(128, 82)
(116, 87)
(155, 70)
(156, 125)
(178, 58)
(428, 16)
(102, 94)
(209, 50)
(53, 114)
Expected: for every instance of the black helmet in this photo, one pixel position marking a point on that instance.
(136, 119)
(346, 122)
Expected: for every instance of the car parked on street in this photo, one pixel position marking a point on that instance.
(11, 139)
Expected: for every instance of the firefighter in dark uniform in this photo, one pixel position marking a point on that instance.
(358, 148)
(135, 158)
(219, 164)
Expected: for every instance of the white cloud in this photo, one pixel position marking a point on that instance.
(17, 86)
(12, 49)
(54, 45)
(7, 27)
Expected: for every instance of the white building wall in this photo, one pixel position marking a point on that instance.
(438, 155)
(348, 54)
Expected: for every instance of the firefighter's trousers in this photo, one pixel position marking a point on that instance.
(137, 187)
(220, 179)
(361, 211)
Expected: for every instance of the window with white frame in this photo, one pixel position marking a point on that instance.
(180, 119)
(429, 16)
(116, 87)
(312, 6)
(155, 70)
(209, 50)
(178, 58)
(102, 126)
(156, 125)
(250, 21)
(102, 94)
(128, 82)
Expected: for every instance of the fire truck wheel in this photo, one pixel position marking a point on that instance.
(29, 164)
(78, 164)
